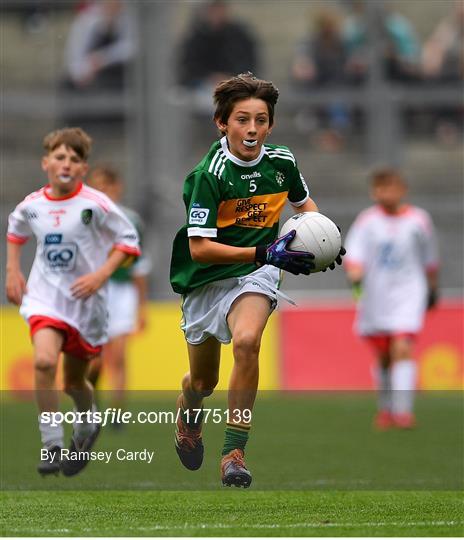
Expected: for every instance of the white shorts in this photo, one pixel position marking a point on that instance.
(206, 308)
(122, 308)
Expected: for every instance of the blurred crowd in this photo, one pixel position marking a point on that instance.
(101, 44)
(334, 53)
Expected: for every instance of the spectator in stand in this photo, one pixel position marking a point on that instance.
(443, 62)
(320, 58)
(100, 47)
(215, 47)
(320, 61)
(443, 52)
(403, 48)
(326, 57)
(402, 51)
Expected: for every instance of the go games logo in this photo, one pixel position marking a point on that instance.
(61, 257)
(198, 216)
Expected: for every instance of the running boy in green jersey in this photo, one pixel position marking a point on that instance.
(226, 262)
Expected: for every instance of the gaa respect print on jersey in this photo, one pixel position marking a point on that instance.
(198, 216)
(257, 211)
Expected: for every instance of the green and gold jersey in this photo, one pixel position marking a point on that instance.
(234, 202)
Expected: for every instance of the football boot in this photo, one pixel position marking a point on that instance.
(50, 465)
(188, 441)
(234, 471)
(70, 467)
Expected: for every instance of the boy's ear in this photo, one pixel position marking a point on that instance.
(372, 194)
(85, 169)
(221, 127)
(45, 163)
(271, 127)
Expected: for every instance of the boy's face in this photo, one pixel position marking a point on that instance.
(247, 128)
(64, 168)
(389, 193)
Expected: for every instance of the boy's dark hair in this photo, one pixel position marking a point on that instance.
(243, 86)
(383, 175)
(74, 137)
(109, 174)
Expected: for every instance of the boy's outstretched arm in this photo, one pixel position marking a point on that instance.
(308, 206)
(355, 275)
(141, 285)
(204, 250)
(15, 283)
(89, 284)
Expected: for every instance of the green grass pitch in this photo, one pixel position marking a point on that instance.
(319, 470)
(251, 513)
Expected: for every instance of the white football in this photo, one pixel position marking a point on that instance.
(317, 234)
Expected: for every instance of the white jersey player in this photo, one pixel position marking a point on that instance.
(82, 237)
(74, 237)
(392, 253)
(127, 296)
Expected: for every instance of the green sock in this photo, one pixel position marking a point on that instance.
(235, 437)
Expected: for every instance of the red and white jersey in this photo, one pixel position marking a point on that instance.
(395, 253)
(74, 236)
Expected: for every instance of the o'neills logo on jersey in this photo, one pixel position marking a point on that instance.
(256, 212)
(254, 174)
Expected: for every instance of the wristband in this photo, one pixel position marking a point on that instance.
(432, 298)
(356, 288)
(261, 255)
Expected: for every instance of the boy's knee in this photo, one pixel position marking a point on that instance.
(246, 343)
(72, 386)
(401, 349)
(202, 387)
(45, 363)
(384, 360)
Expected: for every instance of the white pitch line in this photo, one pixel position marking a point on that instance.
(301, 525)
(204, 526)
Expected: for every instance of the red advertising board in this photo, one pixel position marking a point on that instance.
(319, 350)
